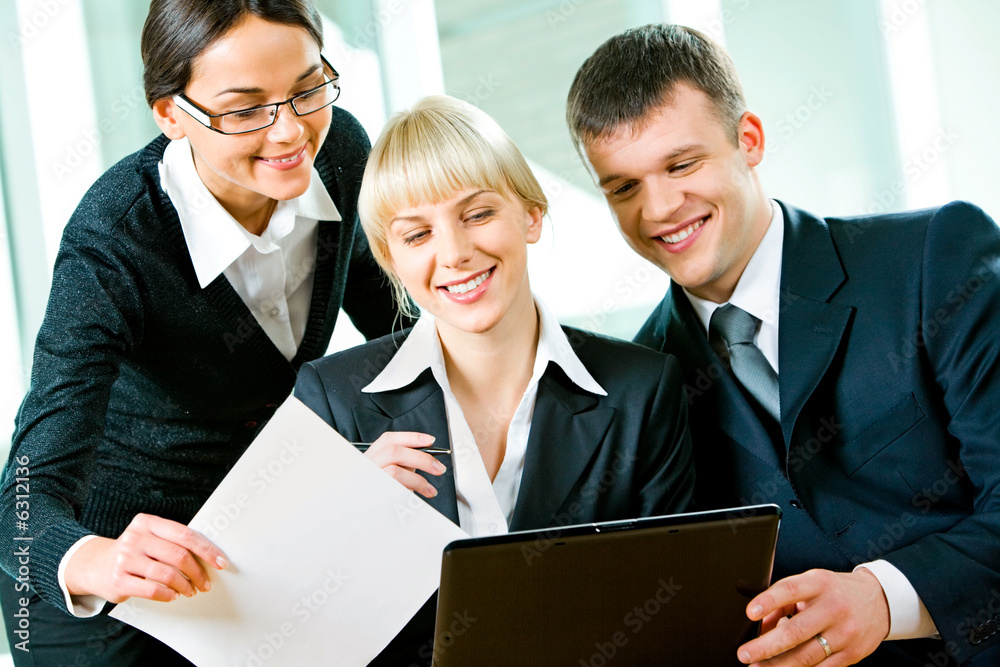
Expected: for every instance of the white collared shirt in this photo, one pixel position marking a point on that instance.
(484, 507)
(758, 293)
(758, 290)
(272, 273)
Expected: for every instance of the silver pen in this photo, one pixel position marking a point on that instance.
(363, 447)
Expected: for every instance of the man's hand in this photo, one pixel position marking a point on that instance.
(848, 610)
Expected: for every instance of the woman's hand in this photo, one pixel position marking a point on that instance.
(154, 558)
(398, 453)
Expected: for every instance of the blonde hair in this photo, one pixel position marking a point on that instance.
(428, 153)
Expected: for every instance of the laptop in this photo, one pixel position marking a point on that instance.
(667, 590)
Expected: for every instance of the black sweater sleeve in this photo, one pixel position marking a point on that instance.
(92, 321)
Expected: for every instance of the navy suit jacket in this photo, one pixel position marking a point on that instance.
(889, 348)
(589, 458)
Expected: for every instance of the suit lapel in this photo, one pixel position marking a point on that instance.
(713, 395)
(417, 407)
(810, 328)
(563, 439)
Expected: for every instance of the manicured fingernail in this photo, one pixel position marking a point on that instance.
(745, 657)
(429, 439)
(756, 611)
(433, 491)
(438, 468)
(208, 586)
(176, 595)
(221, 562)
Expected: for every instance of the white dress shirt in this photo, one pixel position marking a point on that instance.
(272, 273)
(758, 293)
(484, 507)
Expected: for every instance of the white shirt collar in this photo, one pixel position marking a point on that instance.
(422, 350)
(214, 238)
(758, 289)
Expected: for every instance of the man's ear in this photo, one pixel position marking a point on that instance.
(751, 138)
(166, 114)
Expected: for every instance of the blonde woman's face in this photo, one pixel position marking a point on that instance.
(465, 260)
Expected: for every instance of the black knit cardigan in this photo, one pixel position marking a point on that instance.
(146, 388)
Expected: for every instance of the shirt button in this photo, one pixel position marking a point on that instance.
(796, 504)
(494, 528)
(274, 312)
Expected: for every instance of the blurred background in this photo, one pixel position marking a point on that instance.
(868, 105)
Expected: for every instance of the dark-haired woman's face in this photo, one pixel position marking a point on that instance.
(256, 63)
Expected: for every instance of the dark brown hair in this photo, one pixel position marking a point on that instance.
(636, 72)
(178, 31)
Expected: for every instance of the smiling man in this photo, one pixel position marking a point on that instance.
(877, 431)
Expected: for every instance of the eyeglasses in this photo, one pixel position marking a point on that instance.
(257, 118)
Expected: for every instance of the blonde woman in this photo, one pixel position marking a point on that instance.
(547, 425)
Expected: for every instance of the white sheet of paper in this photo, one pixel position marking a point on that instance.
(329, 557)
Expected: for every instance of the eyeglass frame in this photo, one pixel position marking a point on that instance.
(192, 109)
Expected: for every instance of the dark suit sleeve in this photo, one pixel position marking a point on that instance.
(958, 570)
(669, 483)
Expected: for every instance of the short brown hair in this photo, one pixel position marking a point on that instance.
(636, 72)
(178, 31)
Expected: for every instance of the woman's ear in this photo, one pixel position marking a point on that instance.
(535, 215)
(166, 114)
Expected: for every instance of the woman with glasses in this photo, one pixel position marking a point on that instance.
(194, 279)
(547, 425)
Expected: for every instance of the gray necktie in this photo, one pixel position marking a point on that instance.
(751, 368)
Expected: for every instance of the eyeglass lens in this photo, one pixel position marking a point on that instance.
(261, 117)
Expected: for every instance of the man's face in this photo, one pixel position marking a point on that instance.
(684, 196)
